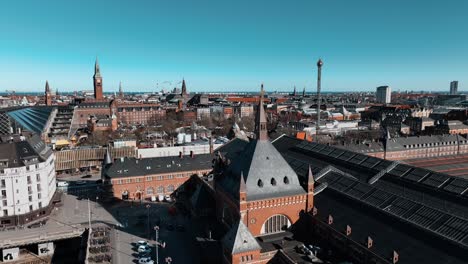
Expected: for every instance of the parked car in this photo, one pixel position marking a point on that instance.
(301, 249)
(145, 260)
(168, 198)
(144, 249)
(62, 184)
(86, 176)
(80, 182)
(142, 243)
(160, 197)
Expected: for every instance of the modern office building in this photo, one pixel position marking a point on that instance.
(453, 87)
(27, 180)
(383, 94)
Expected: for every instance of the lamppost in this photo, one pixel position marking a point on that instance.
(148, 226)
(156, 229)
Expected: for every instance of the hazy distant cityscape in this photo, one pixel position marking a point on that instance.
(273, 161)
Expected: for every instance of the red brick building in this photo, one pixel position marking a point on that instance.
(136, 179)
(257, 194)
(138, 113)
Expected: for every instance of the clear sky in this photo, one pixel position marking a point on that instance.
(234, 45)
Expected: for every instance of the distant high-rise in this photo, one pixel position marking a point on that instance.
(48, 96)
(383, 94)
(97, 78)
(453, 87)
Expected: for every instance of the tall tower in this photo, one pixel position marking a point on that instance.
(121, 94)
(261, 132)
(97, 81)
(303, 92)
(319, 83)
(184, 88)
(453, 87)
(48, 96)
(294, 93)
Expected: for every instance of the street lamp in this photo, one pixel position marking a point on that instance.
(156, 229)
(148, 226)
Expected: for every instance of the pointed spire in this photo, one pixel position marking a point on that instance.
(184, 87)
(310, 177)
(108, 159)
(242, 187)
(47, 88)
(120, 89)
(97, 70)
(294, 93)
(260, 120)
(303, 92)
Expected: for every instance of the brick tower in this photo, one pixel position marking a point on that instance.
(97, 78)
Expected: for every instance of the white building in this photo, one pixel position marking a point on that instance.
(383, 94)
(27, 180)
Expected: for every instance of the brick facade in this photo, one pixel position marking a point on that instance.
(145, 186)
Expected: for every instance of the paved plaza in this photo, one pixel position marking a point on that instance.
(129, 221)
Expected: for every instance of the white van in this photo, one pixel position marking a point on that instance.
(62, 184)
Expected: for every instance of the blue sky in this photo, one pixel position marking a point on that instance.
(234, 45)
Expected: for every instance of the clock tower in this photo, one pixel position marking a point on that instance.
(97, 82)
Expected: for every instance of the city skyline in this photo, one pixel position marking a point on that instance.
(234, 47)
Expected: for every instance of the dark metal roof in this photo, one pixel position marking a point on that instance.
(21, 153)
(264, 171)
(431, 206)
(128, 167)
(239, 239)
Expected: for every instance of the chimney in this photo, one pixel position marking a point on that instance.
(192, 155)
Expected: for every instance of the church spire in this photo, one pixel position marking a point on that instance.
(48, 96)
(120, 90)
(184, 87)
(261, 132)
(310, 177)
(47, 88)
(97, 70)
(242, 187)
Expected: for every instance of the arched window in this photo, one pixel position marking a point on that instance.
(260, 183)
(170, 188)
(275, 224)
(149, 190)
(286, 180)
(273, 181)
(161, 190)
